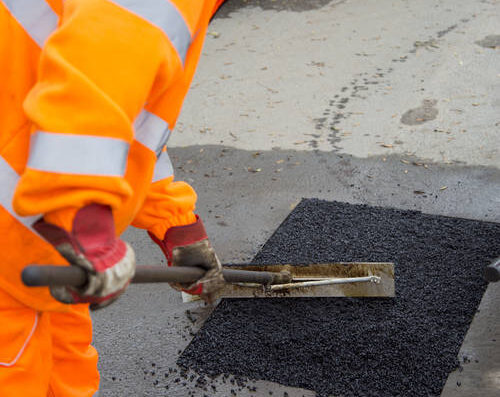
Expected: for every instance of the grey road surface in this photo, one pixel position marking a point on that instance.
(383, 102)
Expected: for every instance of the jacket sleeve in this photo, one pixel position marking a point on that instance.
(95, 74)
(168, 203)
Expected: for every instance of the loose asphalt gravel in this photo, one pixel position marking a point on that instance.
(357, 347)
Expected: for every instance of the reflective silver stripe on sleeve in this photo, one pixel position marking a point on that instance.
(8, 182)
(78, 154)
(167, 17)
(35, 16)
(163, 167)
(23, 347)
(151, 131)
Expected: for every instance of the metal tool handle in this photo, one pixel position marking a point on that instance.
(40, 276)
(492, 271)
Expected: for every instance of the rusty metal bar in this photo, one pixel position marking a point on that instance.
(492, 271)
(38, 276)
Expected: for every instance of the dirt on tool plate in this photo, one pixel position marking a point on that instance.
(383, 288)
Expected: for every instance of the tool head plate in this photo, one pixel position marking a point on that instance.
(384, 271)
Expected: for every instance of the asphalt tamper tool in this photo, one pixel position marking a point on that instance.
(345, 279)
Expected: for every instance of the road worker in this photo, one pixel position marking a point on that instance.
(90, 91)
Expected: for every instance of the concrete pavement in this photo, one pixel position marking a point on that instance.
(378, 102)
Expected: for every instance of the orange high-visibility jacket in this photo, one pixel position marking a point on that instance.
(89, 92)
(218, 3)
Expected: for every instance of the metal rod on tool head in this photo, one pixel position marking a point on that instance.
(347, 280)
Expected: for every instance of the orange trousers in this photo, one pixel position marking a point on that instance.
(46, 353)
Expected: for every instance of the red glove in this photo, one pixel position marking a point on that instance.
(93, 246)
(189, 246)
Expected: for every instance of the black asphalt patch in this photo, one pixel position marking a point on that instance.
(357, 347)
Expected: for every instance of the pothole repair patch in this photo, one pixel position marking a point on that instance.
(357, 347)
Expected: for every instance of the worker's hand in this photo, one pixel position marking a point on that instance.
(93, 246)
(189, 246)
